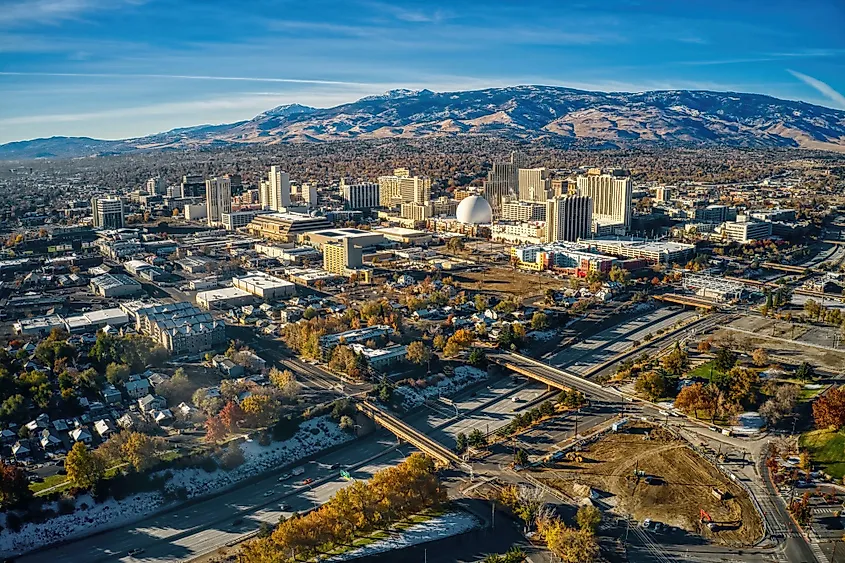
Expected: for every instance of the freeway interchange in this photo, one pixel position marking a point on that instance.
(203, 525)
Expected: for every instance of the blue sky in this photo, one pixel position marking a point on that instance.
(121, 68)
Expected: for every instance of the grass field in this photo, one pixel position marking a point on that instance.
(827, 450)
(703, 371)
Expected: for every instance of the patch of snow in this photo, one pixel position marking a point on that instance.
(313, 435)
(437, 528)
(463, 377)
(543, 335)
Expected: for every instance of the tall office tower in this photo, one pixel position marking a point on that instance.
(568, 217)
(107, 212)
(363, 195)
(611, 196)
(193, 186)
(218, 199)
(534, 184)
(518, 159)
(237, 183)
(264, 194)
(403, 188)
(502, 181)
(309, 195)
(279, 189)
(156, 186)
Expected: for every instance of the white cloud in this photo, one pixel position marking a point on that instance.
(823, 88)
(188, 77)
(23, 12)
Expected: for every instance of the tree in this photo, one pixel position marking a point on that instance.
(285, 381)
(455, 244)
(676, 361)
(346, 423)
(588, 518)
(439, 342)
(477, 357)
(260, 410)
(572, 546)
(231, 416)
(520, 457)
(691, 399)
(760, 357)
(539, 321)
(805, 371)
(139, 450)
(481, 302)
(651, 384)
(783, 402)
(117, 374)
(84, 467)
(476, 439)
(215, 430)
(418, 353)
(309, 313)
(14, 485)
(704, 346)
(13, 408)
(460, 442)
(725, 359)
(829, 409)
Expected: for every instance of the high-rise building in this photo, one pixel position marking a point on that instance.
(502, 182)
(534, 184)
(611, 195)
(342, 255)
(309, 195)
(276, 191)
(107, 212)
(523, 211)
(193, 186)
(363, 195)
(568, 217)
(662, 193)
(218, 199)
(401, 188)
(156, 186)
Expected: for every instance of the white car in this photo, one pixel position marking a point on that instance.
(269, 493)
(646, 523)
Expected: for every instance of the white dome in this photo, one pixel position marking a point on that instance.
(474, 210)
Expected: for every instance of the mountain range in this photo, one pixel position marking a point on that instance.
(671, 118)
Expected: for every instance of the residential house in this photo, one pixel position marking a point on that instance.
(137, 387)
(162, 417)
(41, 421)
(49, 441)
(111, 394)
(21, 450)
(7, 436)
(104, 427)
(81, 434)
(60, 425)
(151, 403)
(131, 421)
(157, 379)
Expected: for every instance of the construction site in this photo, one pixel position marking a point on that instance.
(645, 473)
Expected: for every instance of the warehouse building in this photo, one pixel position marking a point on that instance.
(265, 286)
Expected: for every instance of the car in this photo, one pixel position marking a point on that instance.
(136, 551)
(284, 506)
(298, 471)
(269, 493)
(646, 523)
(514, 399)
(334, 466)
(284, 476)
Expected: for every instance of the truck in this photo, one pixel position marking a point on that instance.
(619, 424)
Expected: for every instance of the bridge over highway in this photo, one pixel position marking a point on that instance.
(442, 454)
(552, 376)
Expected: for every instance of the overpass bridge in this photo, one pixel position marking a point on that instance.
(787, 268)
(443, 455)
(553, 377)
(685, 300)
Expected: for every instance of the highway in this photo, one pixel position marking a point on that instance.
(200, 527)
(581, 357)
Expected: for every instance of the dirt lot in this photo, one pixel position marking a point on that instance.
(686, 483)
(786, 348)
(506, 281)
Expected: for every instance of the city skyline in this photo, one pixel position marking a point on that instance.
(125, 69)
